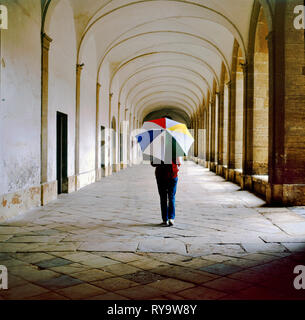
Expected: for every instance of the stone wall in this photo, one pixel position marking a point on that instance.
(20, 106)
(294, 100)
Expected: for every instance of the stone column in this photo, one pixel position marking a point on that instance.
(289, 109)
(48, 189)
(245, 129)
(46, 41)
(110, 108)
(287, 112)
(129, 153)
(200, 135)
(207, 121)
(231, 125)
(98, 169)
(125, 113)
(248, 124)
(230, 133)
(110, 142)
(220, 126)
(212, 133)
(191, 152)
(79, 69)
(196, 136)
(216, 129)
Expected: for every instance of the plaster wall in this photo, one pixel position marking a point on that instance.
(62, 79)
(88, 109)
(20, 97)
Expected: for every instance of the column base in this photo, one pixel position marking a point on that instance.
(231, 175)
(213, 166)
(71, 184)
(286, 194)
(124, 166)
(84, 179)
(108, 171)
(219, 170)
(201, 162)
(260, 185)
(248, 182)
(48, 192)
(116, 168)
(98, 174)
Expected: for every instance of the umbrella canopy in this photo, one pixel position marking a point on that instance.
(164, 139)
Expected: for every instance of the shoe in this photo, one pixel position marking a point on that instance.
(164, 223)
(171, 222)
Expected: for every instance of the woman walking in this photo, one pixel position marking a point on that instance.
(167, 180)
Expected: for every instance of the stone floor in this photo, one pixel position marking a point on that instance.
(105, 242)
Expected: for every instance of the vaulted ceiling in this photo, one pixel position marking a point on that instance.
(162, 53)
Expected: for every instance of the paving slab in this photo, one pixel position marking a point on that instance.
(105, 242)
(143, 277)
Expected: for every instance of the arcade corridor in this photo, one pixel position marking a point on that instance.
(79, 210)
(106, 242)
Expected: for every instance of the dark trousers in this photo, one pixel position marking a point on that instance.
(167, 191)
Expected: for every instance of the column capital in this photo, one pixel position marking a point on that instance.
(229, 84)
(46, 41)
(270, 36)
(244, 66)
(80, 67)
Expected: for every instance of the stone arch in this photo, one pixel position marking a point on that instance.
(47, 14)
(266, 6)
(181, 69)
(208, 13)
(204, 43)
(167, 98)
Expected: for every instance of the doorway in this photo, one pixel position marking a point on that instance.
(62, 153)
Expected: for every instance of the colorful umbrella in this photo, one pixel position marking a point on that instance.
(164, 139)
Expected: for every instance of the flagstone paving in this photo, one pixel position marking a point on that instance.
(105, 242)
